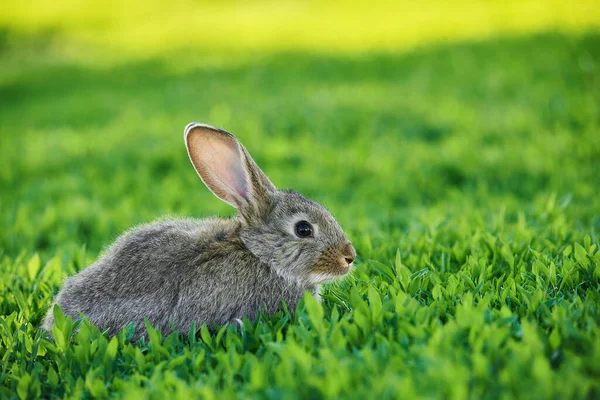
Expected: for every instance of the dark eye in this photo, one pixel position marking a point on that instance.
(304, 229)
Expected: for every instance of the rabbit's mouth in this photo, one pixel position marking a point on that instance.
(330, 267)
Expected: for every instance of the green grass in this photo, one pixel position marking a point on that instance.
(467, 176)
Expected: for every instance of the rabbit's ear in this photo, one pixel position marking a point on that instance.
(227, 169)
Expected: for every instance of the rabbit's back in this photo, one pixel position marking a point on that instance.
(138, 274)
(175, 271)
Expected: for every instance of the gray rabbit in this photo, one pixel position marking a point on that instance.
(213, 270)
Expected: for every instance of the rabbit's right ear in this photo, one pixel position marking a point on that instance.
(227, 169)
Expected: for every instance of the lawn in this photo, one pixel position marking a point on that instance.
(466, 171)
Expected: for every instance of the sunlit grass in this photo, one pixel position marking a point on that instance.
(149, 28)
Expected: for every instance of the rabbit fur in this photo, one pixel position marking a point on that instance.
(176, 272)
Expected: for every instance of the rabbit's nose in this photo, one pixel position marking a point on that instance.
(349, 253)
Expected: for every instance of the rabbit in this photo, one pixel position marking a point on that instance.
(216, 271)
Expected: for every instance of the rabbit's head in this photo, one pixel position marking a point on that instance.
(296, 236)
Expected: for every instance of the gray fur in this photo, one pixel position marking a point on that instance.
(213, 270)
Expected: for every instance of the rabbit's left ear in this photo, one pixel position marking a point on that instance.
(227, 169)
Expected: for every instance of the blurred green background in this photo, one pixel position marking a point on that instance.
(383, 113)
(457, 142)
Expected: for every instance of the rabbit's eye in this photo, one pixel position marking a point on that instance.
(304, 229)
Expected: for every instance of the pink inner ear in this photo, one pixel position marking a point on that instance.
(226, 164)
(220, 164)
